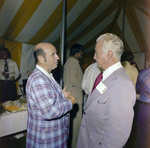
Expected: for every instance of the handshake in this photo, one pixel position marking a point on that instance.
(69, 96)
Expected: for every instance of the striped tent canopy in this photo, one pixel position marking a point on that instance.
(34, 21)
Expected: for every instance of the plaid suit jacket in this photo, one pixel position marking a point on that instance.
(48, 117)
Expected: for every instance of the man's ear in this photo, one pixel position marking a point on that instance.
(109, 54)
(41, 59)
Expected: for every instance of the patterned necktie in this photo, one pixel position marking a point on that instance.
(97, 81)
(6, 69)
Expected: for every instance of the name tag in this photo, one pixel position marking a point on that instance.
(101, 87)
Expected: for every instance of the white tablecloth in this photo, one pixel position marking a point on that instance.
(11, 123)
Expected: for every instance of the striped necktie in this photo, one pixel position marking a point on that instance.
(6, 69)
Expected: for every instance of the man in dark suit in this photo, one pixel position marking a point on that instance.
(108, 113)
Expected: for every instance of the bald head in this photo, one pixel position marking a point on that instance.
(40, 49)
(45, 55)
(43, 46)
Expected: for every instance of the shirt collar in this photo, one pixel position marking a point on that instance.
(111, 69)
(50, 76)
(5, 60)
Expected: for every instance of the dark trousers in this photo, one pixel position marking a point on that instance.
(143, 126)
(7, 90)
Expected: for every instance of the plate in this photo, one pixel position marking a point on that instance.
(15, 106)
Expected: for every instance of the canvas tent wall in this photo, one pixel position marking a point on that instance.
(24, 23)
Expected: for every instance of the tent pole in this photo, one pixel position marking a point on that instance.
(123, 20)
(63, 40)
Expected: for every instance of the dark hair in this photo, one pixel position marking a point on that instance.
(76, 48)
(37, 52)
(6, 50)
(127, 56)
(135, 65)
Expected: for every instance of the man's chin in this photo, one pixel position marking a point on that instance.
(56, 65)
(99, 66)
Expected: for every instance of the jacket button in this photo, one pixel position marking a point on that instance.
(99, 143)
(84, 113)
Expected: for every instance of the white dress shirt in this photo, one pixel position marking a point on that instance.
(89, 77)
(111, 69)
(13, 69)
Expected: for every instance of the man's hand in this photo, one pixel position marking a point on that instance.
(69, 96)
(28, 73)
(12, 78)
(66, 93)
(72, 99)
(5, 73)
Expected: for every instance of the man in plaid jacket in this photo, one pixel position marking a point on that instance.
(48, 104)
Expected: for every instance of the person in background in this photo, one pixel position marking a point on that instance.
(135, 65)
(28, 73)
(89, 77)
(9, 72)
(143, 108)
(108, 113)
(72, 77)
(126, 58)
(48, 104)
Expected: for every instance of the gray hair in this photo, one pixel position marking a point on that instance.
(113, 43)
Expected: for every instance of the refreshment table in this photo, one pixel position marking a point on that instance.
(11, 123)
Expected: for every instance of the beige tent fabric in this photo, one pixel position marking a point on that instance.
(33, 21)
(27, 61)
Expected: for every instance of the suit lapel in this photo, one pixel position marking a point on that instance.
(108, 83)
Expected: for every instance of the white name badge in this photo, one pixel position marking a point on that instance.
(101, 87)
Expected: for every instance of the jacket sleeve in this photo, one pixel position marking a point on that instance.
(135, 76)
(50, 101)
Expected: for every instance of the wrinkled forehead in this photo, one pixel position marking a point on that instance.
(50, 50)
(46, 47)
(99, 43)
